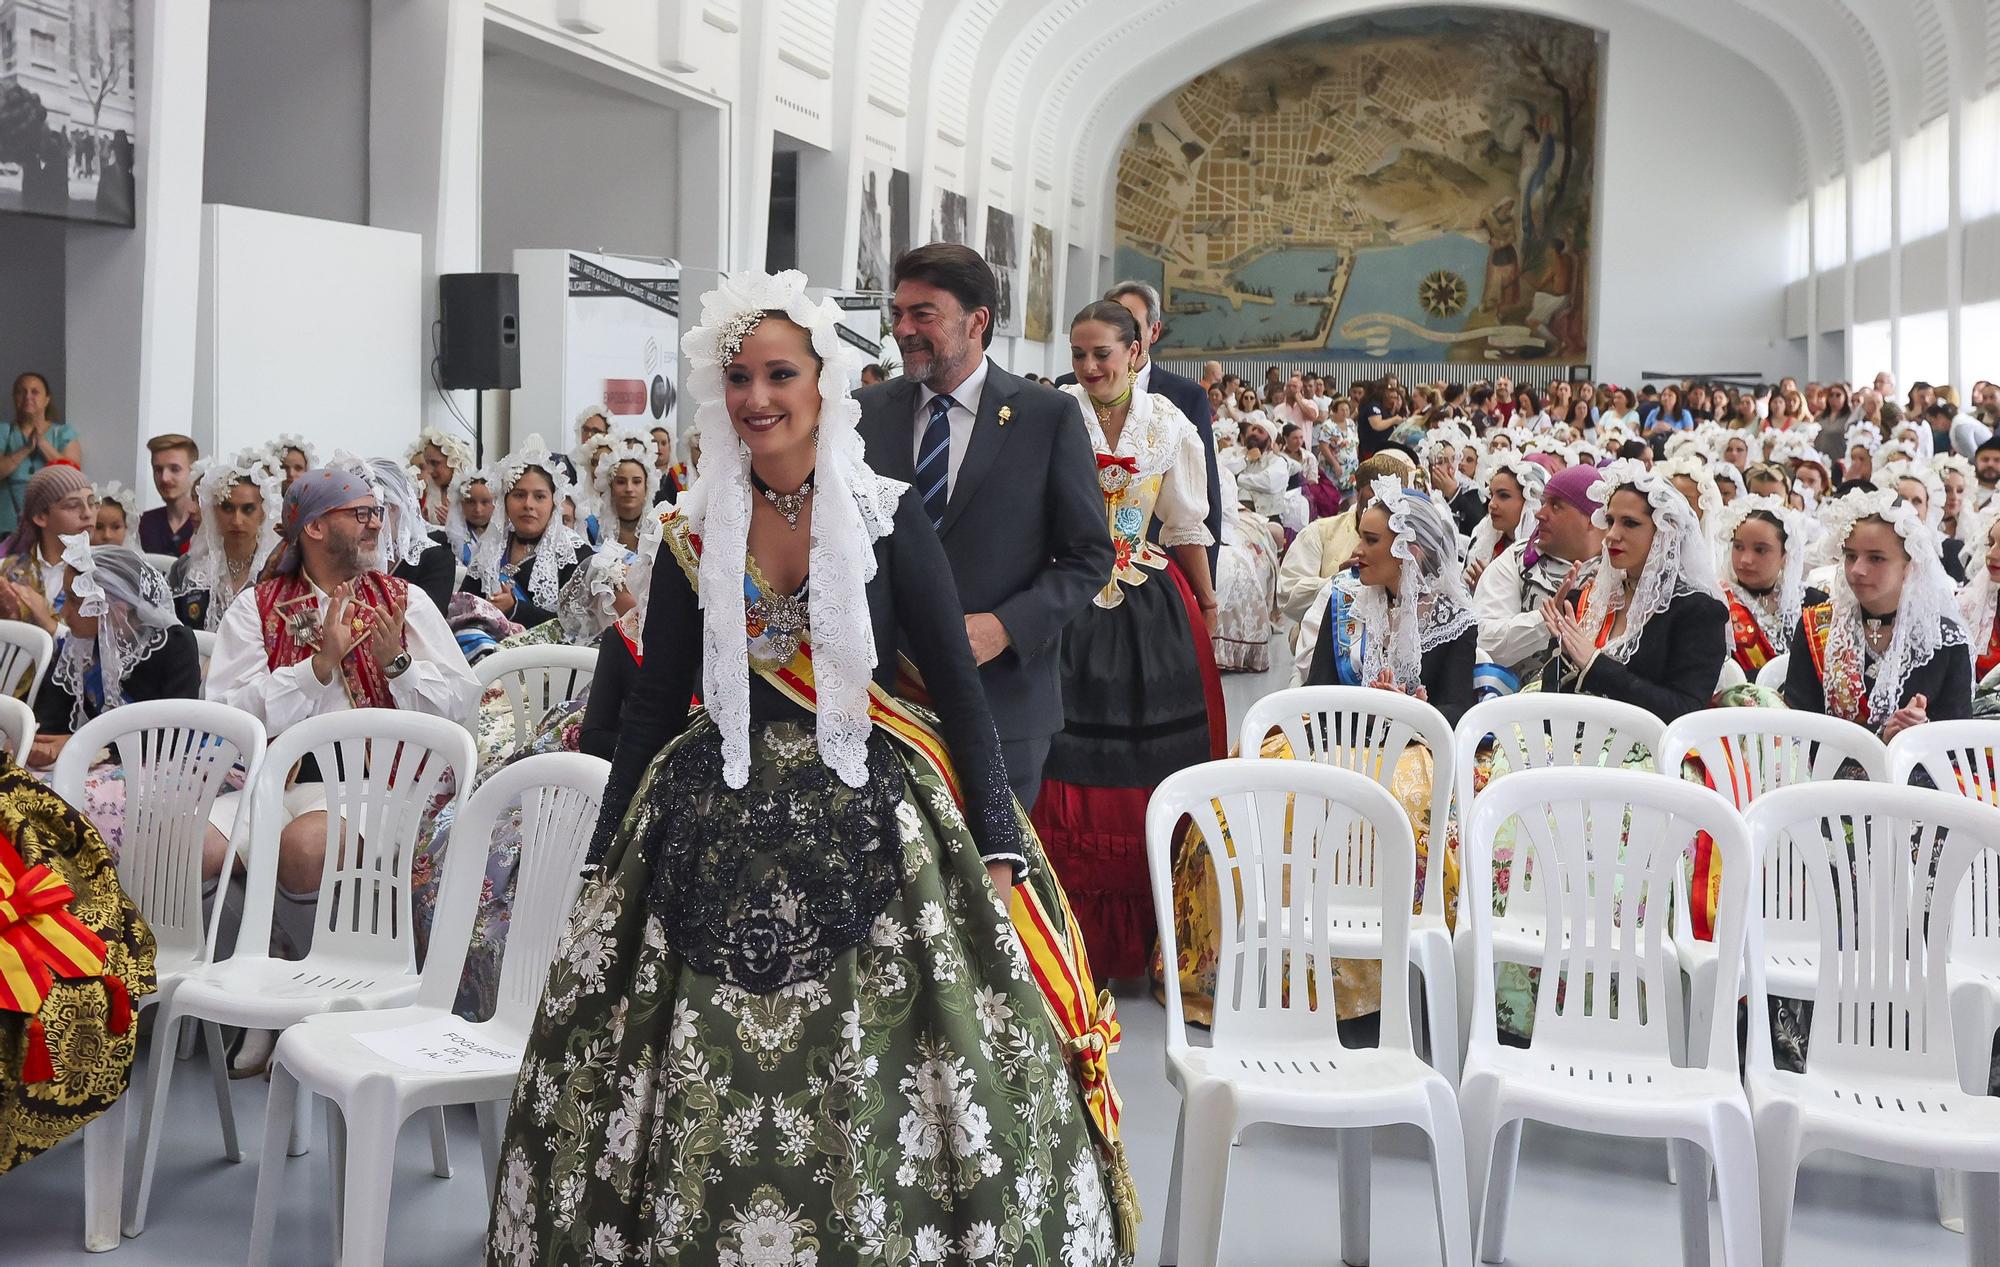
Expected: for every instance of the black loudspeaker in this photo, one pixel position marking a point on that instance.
(480, 337)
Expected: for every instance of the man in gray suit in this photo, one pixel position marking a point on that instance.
(1005, 468)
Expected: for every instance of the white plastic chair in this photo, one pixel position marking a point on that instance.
(17, 728)
(558, 793)
(204, 645)
(1275, 1053)
(25, 653)
(1888, 886)
(176, 755)
(1747, 752)
(536, 679)
(1534, 731)
(1964, 757)
(1606, 844)
(1367, 730)
(1732, 675)
(382, 768)
(1773, 673)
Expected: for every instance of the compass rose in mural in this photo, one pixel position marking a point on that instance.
(1442, 293)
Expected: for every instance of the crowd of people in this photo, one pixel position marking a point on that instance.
(945, 634)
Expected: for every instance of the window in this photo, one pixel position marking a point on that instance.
(1798, 230)
(6, 46)
(1871, 207)
(42, 47)
(1979, 170)
(1927, 180)
(1868, 351)
(1830, 224)
(1926, 348)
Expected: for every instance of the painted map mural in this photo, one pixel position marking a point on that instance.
(1417, 185)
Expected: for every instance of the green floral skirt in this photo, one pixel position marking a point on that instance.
(910, 1104)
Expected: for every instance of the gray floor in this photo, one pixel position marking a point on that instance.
(1582, 1201)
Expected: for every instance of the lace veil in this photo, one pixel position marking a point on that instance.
(487, 543)
(207, 561)
(560, 543)
(1925, 617)
(624, 443)
(1680, 560)
(1430, 606)
(134, 614)
(1794, 529)
(852, 508)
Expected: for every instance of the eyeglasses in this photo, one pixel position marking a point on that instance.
(365, 516)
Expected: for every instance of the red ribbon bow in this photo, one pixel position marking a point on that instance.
(1128, 463)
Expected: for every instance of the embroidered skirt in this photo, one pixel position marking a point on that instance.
(909, 1102)
(1141, 700)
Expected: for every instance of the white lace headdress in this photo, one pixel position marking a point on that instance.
(1530, 477)
(1795, 535)
(292, 440)
(1680, 561)
(588, 603)
(457, 454)
(559, 543)
(623, 443)
(1683, 445)
(1430, 606)
(1977, 600)
(1708, 498)
(208, 562)
(1887, 477)
(852, 508)
(126, 499)
(134, 612)
(488, 543)
(1861, 434)
(1926, 614)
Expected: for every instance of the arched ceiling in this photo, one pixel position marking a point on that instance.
(1047, 88)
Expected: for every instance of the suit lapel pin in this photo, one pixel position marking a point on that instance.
(1006, 412)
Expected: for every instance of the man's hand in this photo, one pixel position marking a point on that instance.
(1002, 875)
(987, 636)
(43, 752)
(1473, 571)
(337, 634)
(385, 630)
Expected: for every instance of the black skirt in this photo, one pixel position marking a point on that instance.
(1133, 704)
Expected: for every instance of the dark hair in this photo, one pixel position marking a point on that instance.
(49, 411)
(1111, 313)
(1482, 396)
(957, 270)
(1634, 449)
(1765, 516)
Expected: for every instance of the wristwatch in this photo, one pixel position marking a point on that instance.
(396, 667)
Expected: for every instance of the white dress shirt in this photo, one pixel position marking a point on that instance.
(964, 413)
(438, 681)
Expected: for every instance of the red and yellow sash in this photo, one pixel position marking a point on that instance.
(367, 686)
(1845, 699)
(1752, 649)
(40, 941)
(1085, 1017)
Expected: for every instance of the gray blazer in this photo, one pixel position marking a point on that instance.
(1024, 530)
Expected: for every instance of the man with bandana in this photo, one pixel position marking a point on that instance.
(324, 632)
(1508, 600)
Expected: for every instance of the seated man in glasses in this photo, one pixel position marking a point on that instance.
(326, 632)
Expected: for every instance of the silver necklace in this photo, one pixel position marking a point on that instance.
(791, 505)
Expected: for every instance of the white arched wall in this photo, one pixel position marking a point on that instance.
(1155, 58)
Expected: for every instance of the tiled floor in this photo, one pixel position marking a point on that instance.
(1583, 1201)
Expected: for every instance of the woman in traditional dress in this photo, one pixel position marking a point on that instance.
(1764, 578)
(625, 482)
(1922, 487)
(239, 501)
(1513, 494)
(476, 535)
(791, 1022)
(292, 455)
(117, 513)
(1888, 651)
(541, 551)
(436, 461)
(1977, 601)
(1401, 619)
(1648, 625)
(1246, 585)
(1141, 698)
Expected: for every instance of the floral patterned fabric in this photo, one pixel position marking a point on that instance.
(103, 802)
(910, 1106)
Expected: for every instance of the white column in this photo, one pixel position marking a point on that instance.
(426, 83)
(753, 135)
(130, 294)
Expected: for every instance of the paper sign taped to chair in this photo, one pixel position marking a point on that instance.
(443, 1045)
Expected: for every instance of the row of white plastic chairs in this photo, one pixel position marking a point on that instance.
(385, 773)
(1598, 849)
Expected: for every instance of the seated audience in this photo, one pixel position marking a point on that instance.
(1513, 587)
(239, 498)
(57, 505)
(167, 529)
(117, 514)
(438, 458)
(541, 552)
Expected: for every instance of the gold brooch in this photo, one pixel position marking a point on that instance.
(1006, 412)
